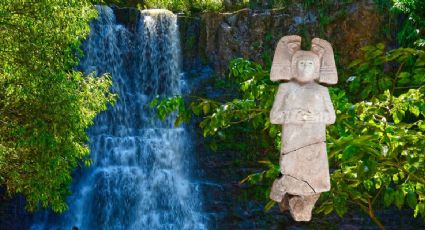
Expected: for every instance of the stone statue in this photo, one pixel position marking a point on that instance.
(304, 108)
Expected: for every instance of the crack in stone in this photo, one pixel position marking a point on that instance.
(302, 181)
(303, 147)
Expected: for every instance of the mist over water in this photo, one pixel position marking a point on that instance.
(140, 177)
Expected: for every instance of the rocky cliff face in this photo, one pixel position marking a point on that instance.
(217, 38)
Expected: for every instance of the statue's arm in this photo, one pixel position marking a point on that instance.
(277, 113)
(329, 115)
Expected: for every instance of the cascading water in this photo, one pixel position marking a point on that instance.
(139, 178)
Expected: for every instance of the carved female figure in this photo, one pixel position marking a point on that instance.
(304, 108)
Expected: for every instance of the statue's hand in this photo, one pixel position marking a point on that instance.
(306, 116)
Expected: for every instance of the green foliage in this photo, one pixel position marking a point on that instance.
(186, 6)
(412, 31)
(45, 105)
(377, 71)
(253, 86)
(377, 150)
(168, 105)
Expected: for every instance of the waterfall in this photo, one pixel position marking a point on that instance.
(140, 174)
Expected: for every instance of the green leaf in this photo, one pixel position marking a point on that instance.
(349, 153)
(269, 205)
(354, 63)
(411, 199)
(328, 209)
(420, 61)
(398, 116)
(380, 46)
(395, 178)
(403, 75)
(340, 204)
(178, 120)
(196, 108)
(421, 125)
(415, 110)
(368, 184)
(213, 146)
(388, 196)
(154, 102)
(206, 108)
(419, 209)
(399, 198)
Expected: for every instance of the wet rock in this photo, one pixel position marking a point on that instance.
(127, 16)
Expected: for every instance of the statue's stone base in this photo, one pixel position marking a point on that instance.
(300, 207)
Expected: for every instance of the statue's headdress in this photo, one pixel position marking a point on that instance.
(288, 51)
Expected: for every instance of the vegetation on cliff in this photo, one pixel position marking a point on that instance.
(186, 6)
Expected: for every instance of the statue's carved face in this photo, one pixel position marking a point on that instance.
(305, 66)
(306, 70)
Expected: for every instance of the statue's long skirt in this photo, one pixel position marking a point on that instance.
(303, 161)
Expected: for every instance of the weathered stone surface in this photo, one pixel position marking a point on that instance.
(359, 27)
(253, 34)
(304, 108)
